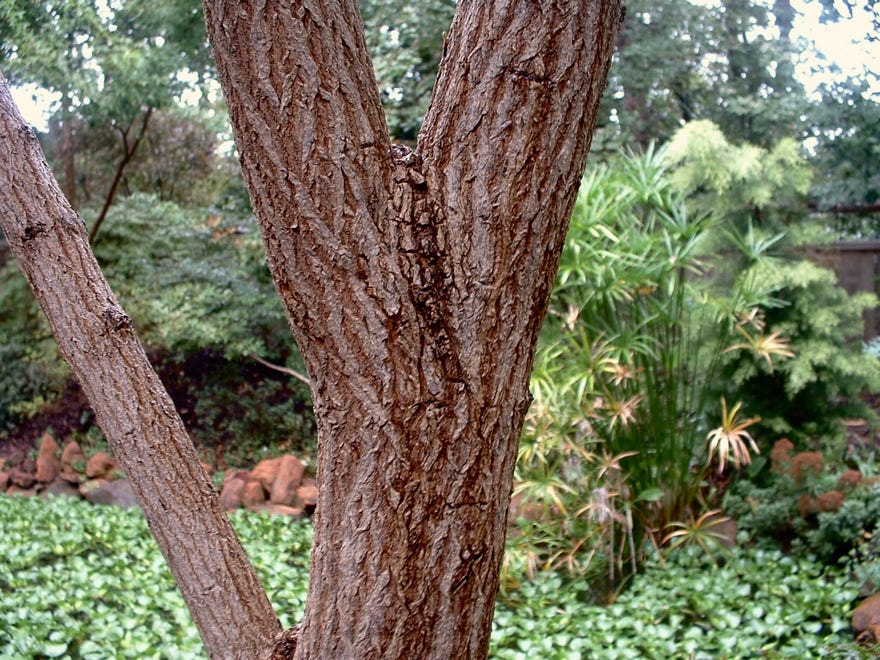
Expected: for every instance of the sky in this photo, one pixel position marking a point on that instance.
(843, 44)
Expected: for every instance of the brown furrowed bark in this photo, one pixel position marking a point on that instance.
(97, 339)
(415, 284)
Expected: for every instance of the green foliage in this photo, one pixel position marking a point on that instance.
(808, 394)
(846, 158)
(615, 442)
(191, 278)
(807, 506)
(714, 61)
(197, 288)
(89, 582)
(757, 604)
(406, 42)
(81, 581)
(32, 370)
(107, 61)
(739, 183)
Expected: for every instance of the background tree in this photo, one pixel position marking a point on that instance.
(406, 42)
(113, 68)
(415, 284)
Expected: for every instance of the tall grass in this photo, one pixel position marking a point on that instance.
(615, 443)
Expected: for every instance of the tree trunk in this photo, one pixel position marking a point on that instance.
(135, 413)
(415, 284)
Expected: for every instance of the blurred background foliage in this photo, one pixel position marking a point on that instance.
(686, 328)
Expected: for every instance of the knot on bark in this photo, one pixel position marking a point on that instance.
(285, 644)
(407, 165)
(115, 320)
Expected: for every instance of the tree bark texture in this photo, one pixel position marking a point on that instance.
(96, 337)
(415, 283)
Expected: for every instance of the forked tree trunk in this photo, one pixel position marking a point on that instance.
(415, 284)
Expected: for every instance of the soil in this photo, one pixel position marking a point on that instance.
(68, 415)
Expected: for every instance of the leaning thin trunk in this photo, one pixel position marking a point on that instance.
(135, 413)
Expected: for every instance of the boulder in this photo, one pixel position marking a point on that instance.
(61, 488)
(253, 494)
(265, 472)
(288, 479)
(115, 493)
(232, 494)
(278, 510)
(866, 619)
(48, 465)
(100, 465)
(72, 455)
(24, 476)
(70, 475)
(307, 494)
(16, 457)
(24, 492)
(89, 485)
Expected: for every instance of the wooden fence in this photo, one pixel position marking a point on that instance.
(857, 264)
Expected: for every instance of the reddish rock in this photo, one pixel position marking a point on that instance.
(100, 465)
(48, 465)
(288, 479)
(278, 510)
(24, 476)
(73, 456)
(70, 475)
(253, 494)
(866, 619)
(265, 472)
(16, 457)
(307, 495)
(25, 492)
(232, 495)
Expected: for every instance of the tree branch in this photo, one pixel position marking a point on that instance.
(301, 71)
(127, 155)
(284, 370)
(134, 411)
(515, 102)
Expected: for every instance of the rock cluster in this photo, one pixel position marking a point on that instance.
(275, 485)
(67, 471)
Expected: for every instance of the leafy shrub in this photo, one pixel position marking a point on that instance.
(197, 288)
(807, 507)
(32, 372)
(615, 442)
(808, 395)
